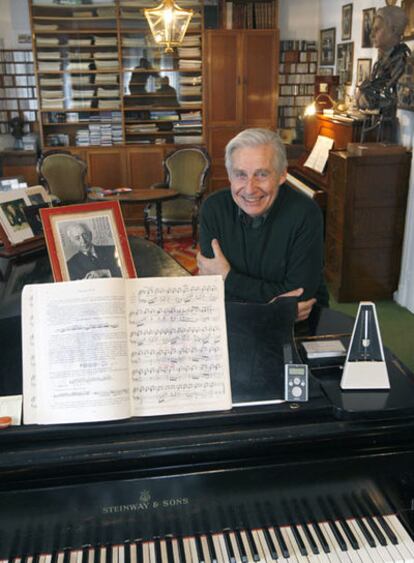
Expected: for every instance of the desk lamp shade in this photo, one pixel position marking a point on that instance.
(168, 23)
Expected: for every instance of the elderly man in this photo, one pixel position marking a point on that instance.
(91, 260)
(265, 239)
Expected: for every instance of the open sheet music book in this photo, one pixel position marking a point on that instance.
(319, 155)
(109, 349)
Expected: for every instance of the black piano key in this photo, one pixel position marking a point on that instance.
(181, 550)
(310, 538)
(66, 556)
(356, 511)
(229, 547)
(109, 558)
(338, 536)
(299, 540)
(158, 558)
(387, 530)
(85, 555)
(349, 534)
(240, 545)
(282, 544)
(252, 545)
(211, 548)
(170, 554)
(199, 548)
(376, 531)
(321, 537)
(127, 552)
(96, 555)
(270, 544)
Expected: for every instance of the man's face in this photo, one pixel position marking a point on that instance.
(81, 238)
(254, 182)
(382, 36)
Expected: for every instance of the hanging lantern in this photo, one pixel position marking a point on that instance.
(168, 23)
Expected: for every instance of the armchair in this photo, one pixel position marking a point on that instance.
(185, 171)
(63, 175)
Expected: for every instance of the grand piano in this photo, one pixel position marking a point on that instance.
(327, 480)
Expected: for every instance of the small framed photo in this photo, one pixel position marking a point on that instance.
(87, 241)
(408, 7)
(327, 54)
(368, 17)
(345, 61)
(37, 195)
(363, 70)
(346, 22)
(15, 228)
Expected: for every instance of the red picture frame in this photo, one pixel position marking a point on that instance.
(103, 220)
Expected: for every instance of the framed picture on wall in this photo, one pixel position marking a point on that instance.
(363, 70)
(326, 71)
(327, 55)
(368, 16)
(345, 61)
(346, 22)
(408, 7)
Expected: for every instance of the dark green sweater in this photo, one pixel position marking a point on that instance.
(285, 252)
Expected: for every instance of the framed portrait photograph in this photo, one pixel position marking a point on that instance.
(363, 70)
(15, 228)
(345, 61)
(346, 22)
(408, 7)
(327, 54)
(87, 241)
(368, 16)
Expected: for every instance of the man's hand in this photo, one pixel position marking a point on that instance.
(217, 265)
(304, 307)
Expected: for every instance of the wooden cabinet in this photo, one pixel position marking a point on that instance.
(367, 198)
(241, 88)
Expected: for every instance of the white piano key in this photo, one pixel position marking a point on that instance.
(132, 553)
(256, 539)
(91, 555)
(114, 550)
(353, 554)
(163, 551)
(391, 548)
(102, 555)
(221, 557)
(405, 543)
(222, 541)
(368, 554)
(246, 546)
(151, 552)
(75, 556)
(175, 550)
(312, 557)
(293, 545)
(187, 551)
(280, 558)
(336, 555)
(205, 548)
(60, 557)
(234, 545)
(381, 551)
(121, 554)
(146, 553)
(264, 547)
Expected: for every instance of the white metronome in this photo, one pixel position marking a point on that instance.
(365, 366)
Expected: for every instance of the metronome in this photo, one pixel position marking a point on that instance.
(365, 366)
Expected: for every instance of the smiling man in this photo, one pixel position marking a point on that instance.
(261, 236)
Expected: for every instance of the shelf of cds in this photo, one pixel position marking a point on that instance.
(17, 89)
(103, 81)
(297, 71)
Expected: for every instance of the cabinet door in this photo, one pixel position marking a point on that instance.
(260, 56)
(144, 167)
(106, 167)
(223, 66)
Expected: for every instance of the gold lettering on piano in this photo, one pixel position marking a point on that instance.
(145, 502)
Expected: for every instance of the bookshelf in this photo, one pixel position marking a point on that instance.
(102, 81)
(297, 71)
(17, 89)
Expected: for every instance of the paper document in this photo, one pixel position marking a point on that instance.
(319, 156)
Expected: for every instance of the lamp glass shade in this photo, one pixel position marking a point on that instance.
(168, 23)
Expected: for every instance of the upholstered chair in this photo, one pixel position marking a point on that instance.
(64, 175)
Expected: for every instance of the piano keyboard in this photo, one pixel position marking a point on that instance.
(300, 186)
(370, 539)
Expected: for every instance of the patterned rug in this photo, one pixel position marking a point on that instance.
(178, 243)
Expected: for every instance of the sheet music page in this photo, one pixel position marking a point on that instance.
(75, 352)
(178, 345)
(319, 155)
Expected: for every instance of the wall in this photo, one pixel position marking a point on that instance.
(298, 19)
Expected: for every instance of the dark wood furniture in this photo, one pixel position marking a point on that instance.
(20, 163)
(241, 88)
(364, 202)
(139, 197)
(367, 197)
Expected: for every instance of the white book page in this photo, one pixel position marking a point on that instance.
(81, 352)
(29, 355)
(178, 345)
(319, 155)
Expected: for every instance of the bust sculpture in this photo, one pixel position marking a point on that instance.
(378, 93)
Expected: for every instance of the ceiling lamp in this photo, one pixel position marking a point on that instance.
(168, 23)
